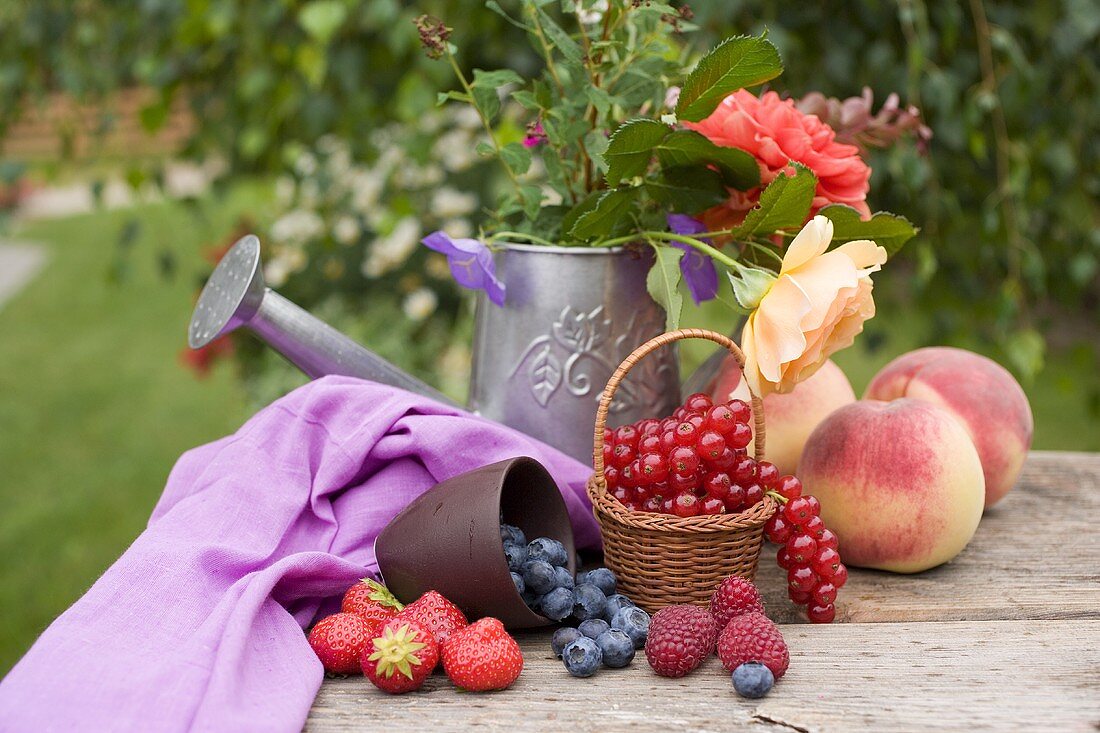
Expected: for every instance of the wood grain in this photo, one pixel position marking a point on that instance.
(990, 675)
(1036, 555)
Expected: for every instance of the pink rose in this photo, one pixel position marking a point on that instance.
(775, 132)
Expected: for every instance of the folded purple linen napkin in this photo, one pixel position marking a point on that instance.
(198, 626)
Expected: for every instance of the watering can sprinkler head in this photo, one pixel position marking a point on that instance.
(236, 296)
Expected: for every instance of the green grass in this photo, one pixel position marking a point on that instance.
(95, 406)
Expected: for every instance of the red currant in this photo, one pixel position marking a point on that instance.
(683, 460)
(821, 614)
(711, 444)
(649, 444)
(713, 505)
(815, 505)
(797, 511)
(754, 493)
(608, 452)
(736, 497)
(668, 441)
(824, 593)
(767, 474)
(649, 426)
(626, 434)
(611, 476)
(725, 461)
(669, 423)
(720, 418)
(652, 504)
(686, 434)
(742, 413)
(743, 471)
(777, 529)
(653, 467)
(687, 504)
(814, 527)
(800, 597)
(666, 505)
(608, 436)
(782, 559)
(840, 577)
(622, 454)
(717, 484)
(640, 479)
(698, 402)
(627, 477)
(632, 506)
(802, 549)
(789, 487)
(800, 577)
(698, 421)
(740, 436)
(680, 482)
(622, 494)
(828, 539)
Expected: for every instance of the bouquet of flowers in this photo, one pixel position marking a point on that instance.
(742, 197)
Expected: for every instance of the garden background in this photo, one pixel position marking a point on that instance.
(137, 142)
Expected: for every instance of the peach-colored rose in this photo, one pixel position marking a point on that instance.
(775, 132)
(816, 307)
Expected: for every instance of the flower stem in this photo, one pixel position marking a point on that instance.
(520, 235)
(777, 496)
(673, 237)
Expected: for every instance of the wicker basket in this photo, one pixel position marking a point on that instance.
(661, 559)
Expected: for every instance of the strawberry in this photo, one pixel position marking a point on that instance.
(400, 657)
(435, 613)
(339, 639)
(482, 656)
(371, 600)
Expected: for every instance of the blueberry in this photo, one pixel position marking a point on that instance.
(617, 648)
(530, 599)
(518, 580)
(593, 627)
(563, 578)
(634, 622)
(516, 556)
(603, 579)
(556, 604)
(589, 602)
(753, 679)
(582, 577)
(582, 657)
(544, 548)
(562, 638)
(615, 604)
(539, 576)
(512, 535)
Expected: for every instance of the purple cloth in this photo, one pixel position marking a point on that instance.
(199, 624)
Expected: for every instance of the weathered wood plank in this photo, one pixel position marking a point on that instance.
(1035, 556)
(994, 675)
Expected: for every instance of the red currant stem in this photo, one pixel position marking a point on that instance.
(778, 497)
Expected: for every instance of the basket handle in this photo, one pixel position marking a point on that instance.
(647, 348)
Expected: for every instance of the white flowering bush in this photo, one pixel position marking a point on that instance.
(344, 243)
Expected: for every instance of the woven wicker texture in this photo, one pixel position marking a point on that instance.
(662, 559)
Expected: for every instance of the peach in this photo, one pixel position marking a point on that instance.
(791, 417)
(979, 393)
(899, 482)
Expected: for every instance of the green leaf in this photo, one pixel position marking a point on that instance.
(526, 99)
(485, 85)
(750, 285)
(734, 63)
(442, 97)
(322, 18)
(887, 230)
(516, 157)
(581, 208)
(495, 7)
(608, 215)
(663, 284)
(687, 148)
(600, 99)
(530, 197)
(631, 147)
(559, 38)
(784, 204)
(687, 190)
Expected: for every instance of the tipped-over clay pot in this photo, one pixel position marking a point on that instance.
(448, 540)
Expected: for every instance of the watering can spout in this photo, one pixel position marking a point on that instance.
(236, 296)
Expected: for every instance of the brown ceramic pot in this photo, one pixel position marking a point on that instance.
(448, 539)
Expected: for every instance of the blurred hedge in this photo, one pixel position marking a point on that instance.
(1007, 195)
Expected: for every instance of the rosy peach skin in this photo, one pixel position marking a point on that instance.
(980, 393)
(899, 482)
(790, 417)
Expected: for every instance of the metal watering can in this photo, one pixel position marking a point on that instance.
(540, 362)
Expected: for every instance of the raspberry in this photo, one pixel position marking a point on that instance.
(752, 637)
(680, 638)
(733, 597)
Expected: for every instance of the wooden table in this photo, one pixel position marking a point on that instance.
(1005, 637)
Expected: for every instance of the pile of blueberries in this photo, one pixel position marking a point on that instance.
(610, 628)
